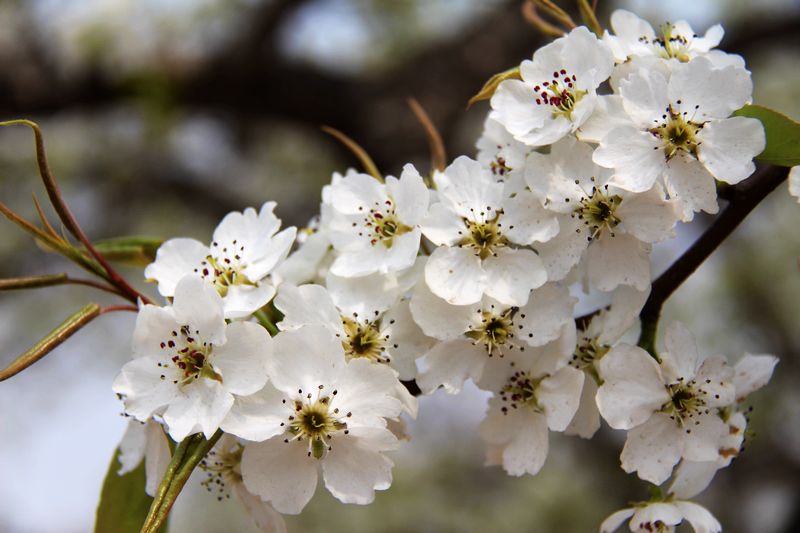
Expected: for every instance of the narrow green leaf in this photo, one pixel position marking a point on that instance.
(131, 250)
(61, 333)
(490, 86)
(783, 135)
(123, 502)
(32, 282)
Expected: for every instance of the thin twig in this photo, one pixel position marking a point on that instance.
(358, 151)
(113, 308)
(438, 154)
(529, 13)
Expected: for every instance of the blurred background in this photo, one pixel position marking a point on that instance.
(160, 117)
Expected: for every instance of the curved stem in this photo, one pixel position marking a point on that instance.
(743, 198)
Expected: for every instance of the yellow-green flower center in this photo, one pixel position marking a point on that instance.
(677, 133)
(598, 211)
(315, 422)
(494, 330)
(364, 339)
(484, 237)
(520, 391)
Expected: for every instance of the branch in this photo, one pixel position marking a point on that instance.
(744, 197)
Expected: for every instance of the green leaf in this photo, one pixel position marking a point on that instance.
(132, 250)
(123, 502)
(490, 86)
(783, 135)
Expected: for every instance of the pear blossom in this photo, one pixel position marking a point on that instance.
(245, 248)
(223, 466)
(794, 182)
(661, 516)
(374, 225)
(670, 408)
(480, 233)
(557, 91)
(594, 341)
(634, 37)
(189, 365)
(474, 337)
(751, 373)
(501, 153)
(320, 411)
(382, 336)
(610, 228)
(535, 393)
(680, 133)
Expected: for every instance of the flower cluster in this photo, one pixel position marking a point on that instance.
(473, 273)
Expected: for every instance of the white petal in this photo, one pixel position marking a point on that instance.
(467, 188)
(366, 294)
(680, 358)
(587, 57)
(648, 216)
(281, 473)
(645, 518)
(242, 360)
(728, 147)
(243, 300)
(131, 447)
(408, 340)
(524, 220)
(692, 478)
(436, 317)
(635, 156)
(272, 253)
(403, 252)
(608, 114)
(450, 364)
(257, 417)
(357, 193)
(154, 325)
(560, 254)
(443, 226)
(175, 259)
(619, 260)
(715, 379)
(794, 182)
(201, 407)
(527, 450)
(456, 275)
(633, 388)
(708, 92)
(644, 96)
(307, 304)
(560, 395)
(548, 309)
(144, 391)
(157, 457)
(513, 107)
(702, 437)
(304, 359)
(626, 304)
(367, 391)
(512, 274)
(652, 449)
(702, 521)
(361, 262)
(752, 373)
(586, 421)
(410, 195)
(614, 520)
(692, 187)
(200, 307)
(352, 472)
(262, 513)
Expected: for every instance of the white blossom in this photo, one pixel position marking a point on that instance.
(557, 91)
(320, 411)
(794, 182)
(245, 248)
(480, 233)
(535, 393)
(662, 516)
(607, 227)
(474, 336)
(501, 153)
(680, 133)
(670, 409)
(145, 440)
(374, 225)
(189, 365)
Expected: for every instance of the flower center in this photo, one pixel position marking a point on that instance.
(499, 166)
(587, 353)
(225, 268)
(484, 237)
(189, 356)
(559, 93)
(520, 391)
(598, 211)
(678, 133)
(382, 224)
(494, 331)
(222, 468)
(673, 45)
(687, 400)
(315, 422)
(364, 339)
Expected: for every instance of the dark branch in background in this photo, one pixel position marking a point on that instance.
(742, 199)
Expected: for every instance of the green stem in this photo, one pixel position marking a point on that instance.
(265, 321)
(187, 456)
